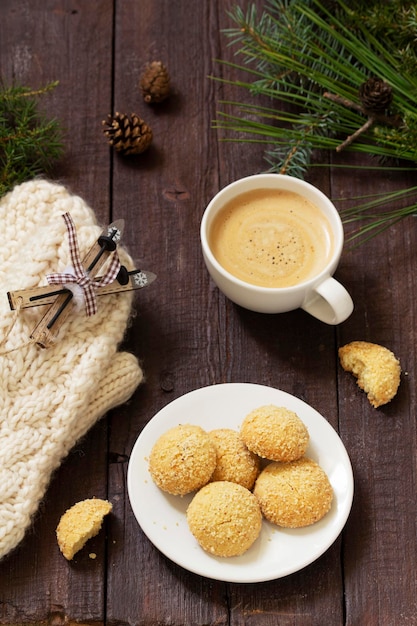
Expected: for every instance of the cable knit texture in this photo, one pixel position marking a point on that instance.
(50, 397)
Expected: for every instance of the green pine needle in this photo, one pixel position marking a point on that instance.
(315, 57)
(29, 143)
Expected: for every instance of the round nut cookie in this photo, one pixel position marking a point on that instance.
(182, 459)
(225, 518)
(235, 462)
(275, 433)
(294, 494)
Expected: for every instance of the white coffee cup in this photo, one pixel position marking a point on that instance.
(320, 294)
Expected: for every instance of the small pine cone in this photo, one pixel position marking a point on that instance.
(155, 82)
(127, 135)
(375, 95)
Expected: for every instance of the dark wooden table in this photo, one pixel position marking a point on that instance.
(187, 335)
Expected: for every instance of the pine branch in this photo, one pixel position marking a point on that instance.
(29, 143)
(316, 59)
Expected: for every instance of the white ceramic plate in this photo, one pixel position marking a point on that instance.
(277, 552)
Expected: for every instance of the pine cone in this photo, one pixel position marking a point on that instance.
(127, 135)
(375, 95)
(155, 82)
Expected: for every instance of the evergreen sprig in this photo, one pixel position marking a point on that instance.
(313, 56)
(29, 143)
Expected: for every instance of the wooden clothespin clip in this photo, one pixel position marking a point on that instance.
(82, 278)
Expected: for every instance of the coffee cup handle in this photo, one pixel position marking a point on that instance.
(329, 302)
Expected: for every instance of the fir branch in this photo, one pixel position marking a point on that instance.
(29, 143)
(371, 219)
(315, 58)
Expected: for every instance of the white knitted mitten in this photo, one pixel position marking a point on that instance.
(50, 397)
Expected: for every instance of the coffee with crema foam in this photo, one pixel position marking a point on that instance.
(271, 238)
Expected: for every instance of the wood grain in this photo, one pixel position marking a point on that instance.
(187, 335)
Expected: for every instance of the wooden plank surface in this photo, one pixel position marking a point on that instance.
(70, 42)
(379, 545)
(187, 335)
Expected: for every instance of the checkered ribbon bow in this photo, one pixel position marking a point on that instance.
(76, 279)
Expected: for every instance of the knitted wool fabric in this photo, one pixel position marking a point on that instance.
(50, 397)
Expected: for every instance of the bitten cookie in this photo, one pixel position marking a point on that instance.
(294, 494)
(225, 518)
(235, 462)
(79, 523)
(182, 459)
(376, 368)
(275, 433)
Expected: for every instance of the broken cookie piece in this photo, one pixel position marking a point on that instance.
(376, 368)
(79, 523)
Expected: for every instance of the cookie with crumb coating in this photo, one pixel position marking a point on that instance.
(377, 370)
(225, 518)
(79, 524)
(182, 459)
(275, 433)
(235, 462)
(294, 494)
